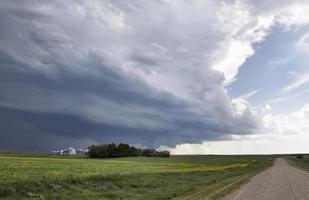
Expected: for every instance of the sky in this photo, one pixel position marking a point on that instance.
(191, 77)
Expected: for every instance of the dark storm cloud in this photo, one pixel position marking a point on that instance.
(33, 104)
(69, 75)
(67, 119)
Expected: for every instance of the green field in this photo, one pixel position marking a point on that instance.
(301, 163)
(179, 177)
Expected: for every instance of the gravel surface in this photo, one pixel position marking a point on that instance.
(280, 182)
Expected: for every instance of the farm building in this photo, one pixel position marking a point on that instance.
(81, 152)
(70, 152)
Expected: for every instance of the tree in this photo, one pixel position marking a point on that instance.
(163, 154)
(299, 156)
(122, 150)
(149, 152)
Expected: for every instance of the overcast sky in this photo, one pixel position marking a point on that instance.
(193, 77)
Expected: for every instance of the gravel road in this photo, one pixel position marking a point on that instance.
(280, 182)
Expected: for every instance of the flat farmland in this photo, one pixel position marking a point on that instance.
(302, 163)
(178, 177)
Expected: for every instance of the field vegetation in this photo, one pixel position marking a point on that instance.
(300, 160)
(177, 177)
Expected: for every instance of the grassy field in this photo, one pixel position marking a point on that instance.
(301, 163)
(179, 177)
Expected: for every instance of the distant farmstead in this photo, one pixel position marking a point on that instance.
(70, 152)
(82, 152)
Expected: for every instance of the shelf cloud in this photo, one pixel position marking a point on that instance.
(150, 73)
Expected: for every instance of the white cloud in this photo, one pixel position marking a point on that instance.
(289, 124)
(279, 134)
(300, 81)
(296, 14)
(278, 62)
(248, 95)
(236, 53)
(303, 43)
(254, 144)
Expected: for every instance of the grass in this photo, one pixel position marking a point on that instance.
(301, 163)
(178, 177)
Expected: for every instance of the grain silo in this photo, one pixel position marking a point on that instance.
(71, 151)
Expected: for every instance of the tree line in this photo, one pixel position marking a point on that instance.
(122, 150)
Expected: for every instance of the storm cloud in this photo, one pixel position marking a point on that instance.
(150, 73)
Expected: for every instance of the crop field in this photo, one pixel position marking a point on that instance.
(177, 177)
